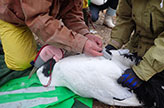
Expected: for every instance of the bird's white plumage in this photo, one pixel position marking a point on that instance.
(93, 77)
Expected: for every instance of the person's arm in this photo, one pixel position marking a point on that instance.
(74, 19)
(124, 24)
(50, 30)
(152, 63)
(153, 60)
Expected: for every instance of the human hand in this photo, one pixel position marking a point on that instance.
(95, 39)
(130, 79)
(91, 48)
(106, 51)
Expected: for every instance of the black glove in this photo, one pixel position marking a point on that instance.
(110, 47)
(130, 79)
(106, 51)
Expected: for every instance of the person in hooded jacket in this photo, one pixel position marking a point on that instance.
(140, 25)
(57, 22)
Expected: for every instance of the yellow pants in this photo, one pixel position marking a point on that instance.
(18, 44)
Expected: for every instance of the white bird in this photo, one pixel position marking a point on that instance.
(94, 77)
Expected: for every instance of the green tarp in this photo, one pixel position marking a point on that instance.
(20, 92)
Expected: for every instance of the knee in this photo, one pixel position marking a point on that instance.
(94, 17)
(19, 63)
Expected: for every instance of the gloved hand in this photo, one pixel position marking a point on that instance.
(106, 51)
(46, 53)
(110, 47)
(130, 79)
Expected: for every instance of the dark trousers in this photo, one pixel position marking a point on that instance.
(94, 9)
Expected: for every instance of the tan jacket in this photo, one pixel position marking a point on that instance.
(42, 17)
(145, 18)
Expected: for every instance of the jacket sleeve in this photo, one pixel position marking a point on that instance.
(50, 30)
(153, 60)
(124, 24)
(74, 18)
